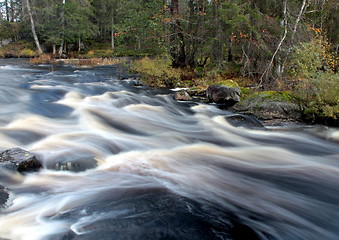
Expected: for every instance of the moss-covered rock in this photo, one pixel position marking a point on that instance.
(228, 83)
(271, 105)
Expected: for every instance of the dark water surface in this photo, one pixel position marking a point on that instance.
(156, 169)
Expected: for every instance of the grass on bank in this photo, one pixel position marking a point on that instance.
(317, 92)
(45, 58)
(157, 72)
(313, 69)
(19, 49)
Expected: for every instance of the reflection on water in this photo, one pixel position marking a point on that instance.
(146, 167)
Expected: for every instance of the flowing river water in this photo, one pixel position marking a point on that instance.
(156, 168)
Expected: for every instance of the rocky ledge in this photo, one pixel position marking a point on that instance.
(270, 107)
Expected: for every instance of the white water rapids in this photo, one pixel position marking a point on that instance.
(156, 169)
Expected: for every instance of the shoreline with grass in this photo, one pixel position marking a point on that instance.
(316, 94)
(313, 100)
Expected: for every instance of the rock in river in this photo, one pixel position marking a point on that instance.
(223, 95)
(182, 96)
(20, 160)
(3, 197)
(269, 106)
(244, 121)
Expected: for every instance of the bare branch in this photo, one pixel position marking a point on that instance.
(279, 45)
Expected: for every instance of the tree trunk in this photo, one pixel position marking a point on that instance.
(217, 51)
(35, 36)
(177, 41)
(302, 10)
(138, 44)
(12, 11)
(61, 49)
(112, 34)
(7, 10)
(278, 47)
(191, 41)
(79, 44)
(54, 49)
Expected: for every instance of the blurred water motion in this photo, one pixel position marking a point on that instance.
(131, 163)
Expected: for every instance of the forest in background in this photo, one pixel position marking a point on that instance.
(267, 44)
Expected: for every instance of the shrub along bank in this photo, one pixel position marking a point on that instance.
(312, 94)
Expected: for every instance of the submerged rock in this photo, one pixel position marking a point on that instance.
(241, 232)
(145, 214)
(73, 163)
(239, 120)
(223, 95)
(20, 160)
(3, 196)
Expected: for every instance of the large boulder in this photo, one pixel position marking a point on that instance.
(224, 95)
(270, 106)
(20, 160)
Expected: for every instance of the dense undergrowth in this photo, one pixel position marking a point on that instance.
(21, 49)
(311, 81)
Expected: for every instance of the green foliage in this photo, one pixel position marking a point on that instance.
(157, 72)
(320, 95)
(310, 58)
(316, 83)
(138, 25)
(28, 53)
(238, 37)
(228, 83)
(49, 24)
(8, 30)
(245, 92)
(77, 18)
(285, 96)
(18, 49)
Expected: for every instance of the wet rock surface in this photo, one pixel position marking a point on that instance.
(269, 109)
(155, 215)
(72, 162)
(182, 96)
(3, 196)
(17, 159)
(224, 95)
(239, 120)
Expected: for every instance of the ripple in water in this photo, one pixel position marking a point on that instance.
(145, 167)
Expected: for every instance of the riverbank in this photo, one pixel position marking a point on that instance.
(313, 101)
(278, 107)
(115, 157)
(313, 104)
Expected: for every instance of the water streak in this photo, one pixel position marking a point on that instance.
(147, 167)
